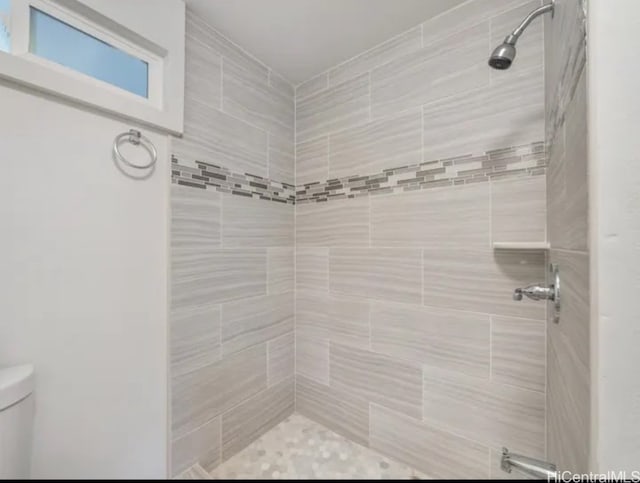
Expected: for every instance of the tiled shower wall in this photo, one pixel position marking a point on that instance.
(568, 346)
(232, 255)
(411, 160)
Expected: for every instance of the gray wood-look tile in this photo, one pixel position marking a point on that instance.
(437, 453)
(205, 277)
(255, 416)
(443, 217)
(256, 102)
(213, 136)
(312, 268)
(519, 210)
(556, 191)
(447, 339)
(253, 321)
(311, 313)
(485, 411)
(313, 85)
(574, 326)
(282, 160)
(575, 212)
(464, 16)
(380, 273)
(483, 280)
(195, 338)
(518, 352)
(568, 366)
(377, 145)
(312, 357)
(348, 320)
(397, 46)
(563, 67)
(377, 378)
(201, 395)
(340, 411)
(329, 110)
(530, 50)
(334, 317)
(472, 122)
(282, 85)
(252, 222)
(339, 223)
(312, 161)
(203, 72)
(568, 407)
(280, 270)
(201, 446)
(281, 358)
(450, 66)
(195, 219)
(197, 27)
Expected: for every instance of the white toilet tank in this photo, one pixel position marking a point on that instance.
(16, 421)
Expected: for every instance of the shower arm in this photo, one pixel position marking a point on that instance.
(513, 37)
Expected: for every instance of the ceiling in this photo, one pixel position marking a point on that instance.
(302, 38)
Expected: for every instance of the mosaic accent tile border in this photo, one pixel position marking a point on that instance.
(516, 161)
(210, 176)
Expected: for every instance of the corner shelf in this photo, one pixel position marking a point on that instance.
(520, 245)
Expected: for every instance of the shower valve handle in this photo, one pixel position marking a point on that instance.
(535, 292)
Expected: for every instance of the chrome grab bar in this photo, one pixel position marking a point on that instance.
(529, 466)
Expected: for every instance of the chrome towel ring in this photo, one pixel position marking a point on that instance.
(137, 139)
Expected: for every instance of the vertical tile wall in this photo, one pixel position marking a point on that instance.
(232, 255)
(411, 160)
(568, 345)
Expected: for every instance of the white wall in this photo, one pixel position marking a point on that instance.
(83, 289)
(614, 126)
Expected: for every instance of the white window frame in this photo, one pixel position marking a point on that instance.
(43, 74)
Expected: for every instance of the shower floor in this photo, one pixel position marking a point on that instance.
(299, 448)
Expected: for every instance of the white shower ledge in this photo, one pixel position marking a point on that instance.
(521, 245)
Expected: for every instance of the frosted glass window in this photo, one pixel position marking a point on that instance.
(5, 31)
(63, 44)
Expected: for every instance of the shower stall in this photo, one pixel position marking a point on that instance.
(345, 251)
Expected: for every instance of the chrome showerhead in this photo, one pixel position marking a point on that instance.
(503, 55)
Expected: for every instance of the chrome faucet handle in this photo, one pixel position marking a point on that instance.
(535, 292)
(538, 292)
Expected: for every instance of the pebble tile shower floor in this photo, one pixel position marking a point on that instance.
(299, 448)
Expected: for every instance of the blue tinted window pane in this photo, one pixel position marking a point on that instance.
(63, 44)
(5, 32)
